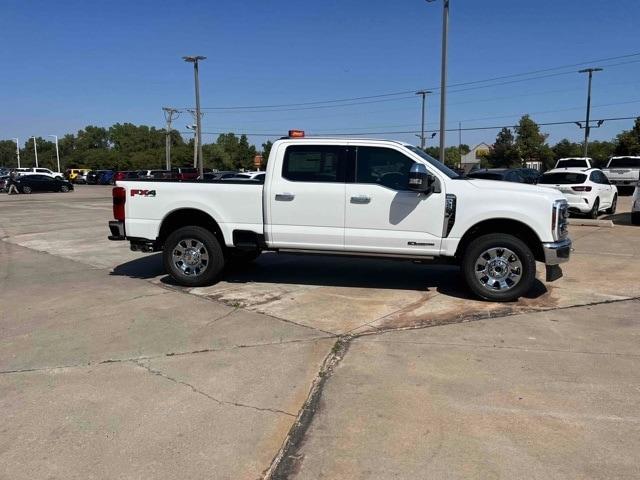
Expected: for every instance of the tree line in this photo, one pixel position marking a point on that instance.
(131, 147)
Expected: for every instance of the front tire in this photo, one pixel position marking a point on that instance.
(26, 189)
(593, 214)
(635, 218)
(193, 257)
(64, 189)
(499, 267)
(612, 209)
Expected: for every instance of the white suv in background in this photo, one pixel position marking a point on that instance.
(587, 191)
(635, 205)
(38, 171)
(574, 162)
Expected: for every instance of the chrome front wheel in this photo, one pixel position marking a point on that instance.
(498, 269)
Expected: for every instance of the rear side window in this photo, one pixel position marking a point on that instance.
(314, 163)
(383, 166)
(625, 162)
(598, 177)
(563, 178)
(572, 163)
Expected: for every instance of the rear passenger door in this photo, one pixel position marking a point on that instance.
(606, 192)
(307, 197)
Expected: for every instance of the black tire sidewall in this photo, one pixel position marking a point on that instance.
(28, 191)
(595, 210)
(614, 206)
(64, 189)
(485, 242)
(216, 257)
(635, 218)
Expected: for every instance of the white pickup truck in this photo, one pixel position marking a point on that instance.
(373, 198)
(623, 171)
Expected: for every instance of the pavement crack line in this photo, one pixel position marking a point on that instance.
(196, 390)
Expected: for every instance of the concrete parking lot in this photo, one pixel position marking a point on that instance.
(307, 367)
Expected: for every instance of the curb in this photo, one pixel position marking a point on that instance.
(585, 222)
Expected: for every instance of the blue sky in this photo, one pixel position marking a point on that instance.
(72, 63)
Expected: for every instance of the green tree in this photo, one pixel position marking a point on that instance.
(601, 151)
(531, 143)
(503, 153)
(628, 142)
(266, 150)
(566, 148)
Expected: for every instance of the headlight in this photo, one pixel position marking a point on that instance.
(560, 219)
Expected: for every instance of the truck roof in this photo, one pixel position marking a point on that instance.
(344, 139)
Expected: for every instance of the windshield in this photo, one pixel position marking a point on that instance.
(562, 178)
(625, 162)
(433, 162)
(571, 162)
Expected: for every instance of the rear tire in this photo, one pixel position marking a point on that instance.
(193, 257)
(593, 214)
(64, 189)
(499, 267)
(612, 209)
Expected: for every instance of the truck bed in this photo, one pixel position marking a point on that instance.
(236, 205)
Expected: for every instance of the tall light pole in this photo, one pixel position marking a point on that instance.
(57, 151)
(424, 94)
(18, 150)
(168, 116)
(443, 75)
(586, 125)
(195, 144)
(35, 149)
(195, 59)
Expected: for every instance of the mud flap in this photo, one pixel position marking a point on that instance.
(554, 272)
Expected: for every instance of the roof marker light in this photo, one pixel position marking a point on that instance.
(296, 133)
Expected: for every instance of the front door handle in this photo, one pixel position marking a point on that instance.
(360, 199)
(285, 197)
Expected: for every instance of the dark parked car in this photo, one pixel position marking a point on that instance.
(125, 175)
(106, 177)
(530, 175)
(501, 174)
(42, 183)
(93, 177)
(185, 173)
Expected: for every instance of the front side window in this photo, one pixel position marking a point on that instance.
(383, 166)
(314, 163)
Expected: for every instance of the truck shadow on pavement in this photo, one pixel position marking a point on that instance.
(619, 218)
(327, 271)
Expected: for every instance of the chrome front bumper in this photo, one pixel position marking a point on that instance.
(558, 252)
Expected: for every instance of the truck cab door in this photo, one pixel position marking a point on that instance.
(382, 214)
(306, 198)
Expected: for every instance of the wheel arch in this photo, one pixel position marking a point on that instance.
(183, 217)
(503, 225)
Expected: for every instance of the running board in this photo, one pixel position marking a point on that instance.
(355, 254)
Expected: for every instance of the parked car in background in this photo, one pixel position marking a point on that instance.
(257, 176)
(38, 171)
(219, 175)
(574, 162)
(635, 205)
(3, 182)
(530, 175)
(154, 174)
(81, 177)
(184, 173)
(501, 174)
(623, 171)
(106, 177)
(587, 190)
(93, 177)
(125, 175)
(42, 183)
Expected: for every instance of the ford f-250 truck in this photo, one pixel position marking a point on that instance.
(373, 198)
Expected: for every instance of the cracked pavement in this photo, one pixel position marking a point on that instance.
(306, 368)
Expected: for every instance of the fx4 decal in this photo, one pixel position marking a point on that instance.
(143, 193)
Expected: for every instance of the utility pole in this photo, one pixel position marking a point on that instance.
(35, 149)
(443, 75)
(57, 151)
(194, 127)
(586, 125)
(195, 60)
(168, 116)
(424, 94)
(459, 144)
(18, 150)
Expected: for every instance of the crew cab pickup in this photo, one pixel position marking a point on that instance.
(623, 171)
(373, 198)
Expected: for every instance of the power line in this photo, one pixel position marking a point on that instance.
(406, 132)
(407, 92)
